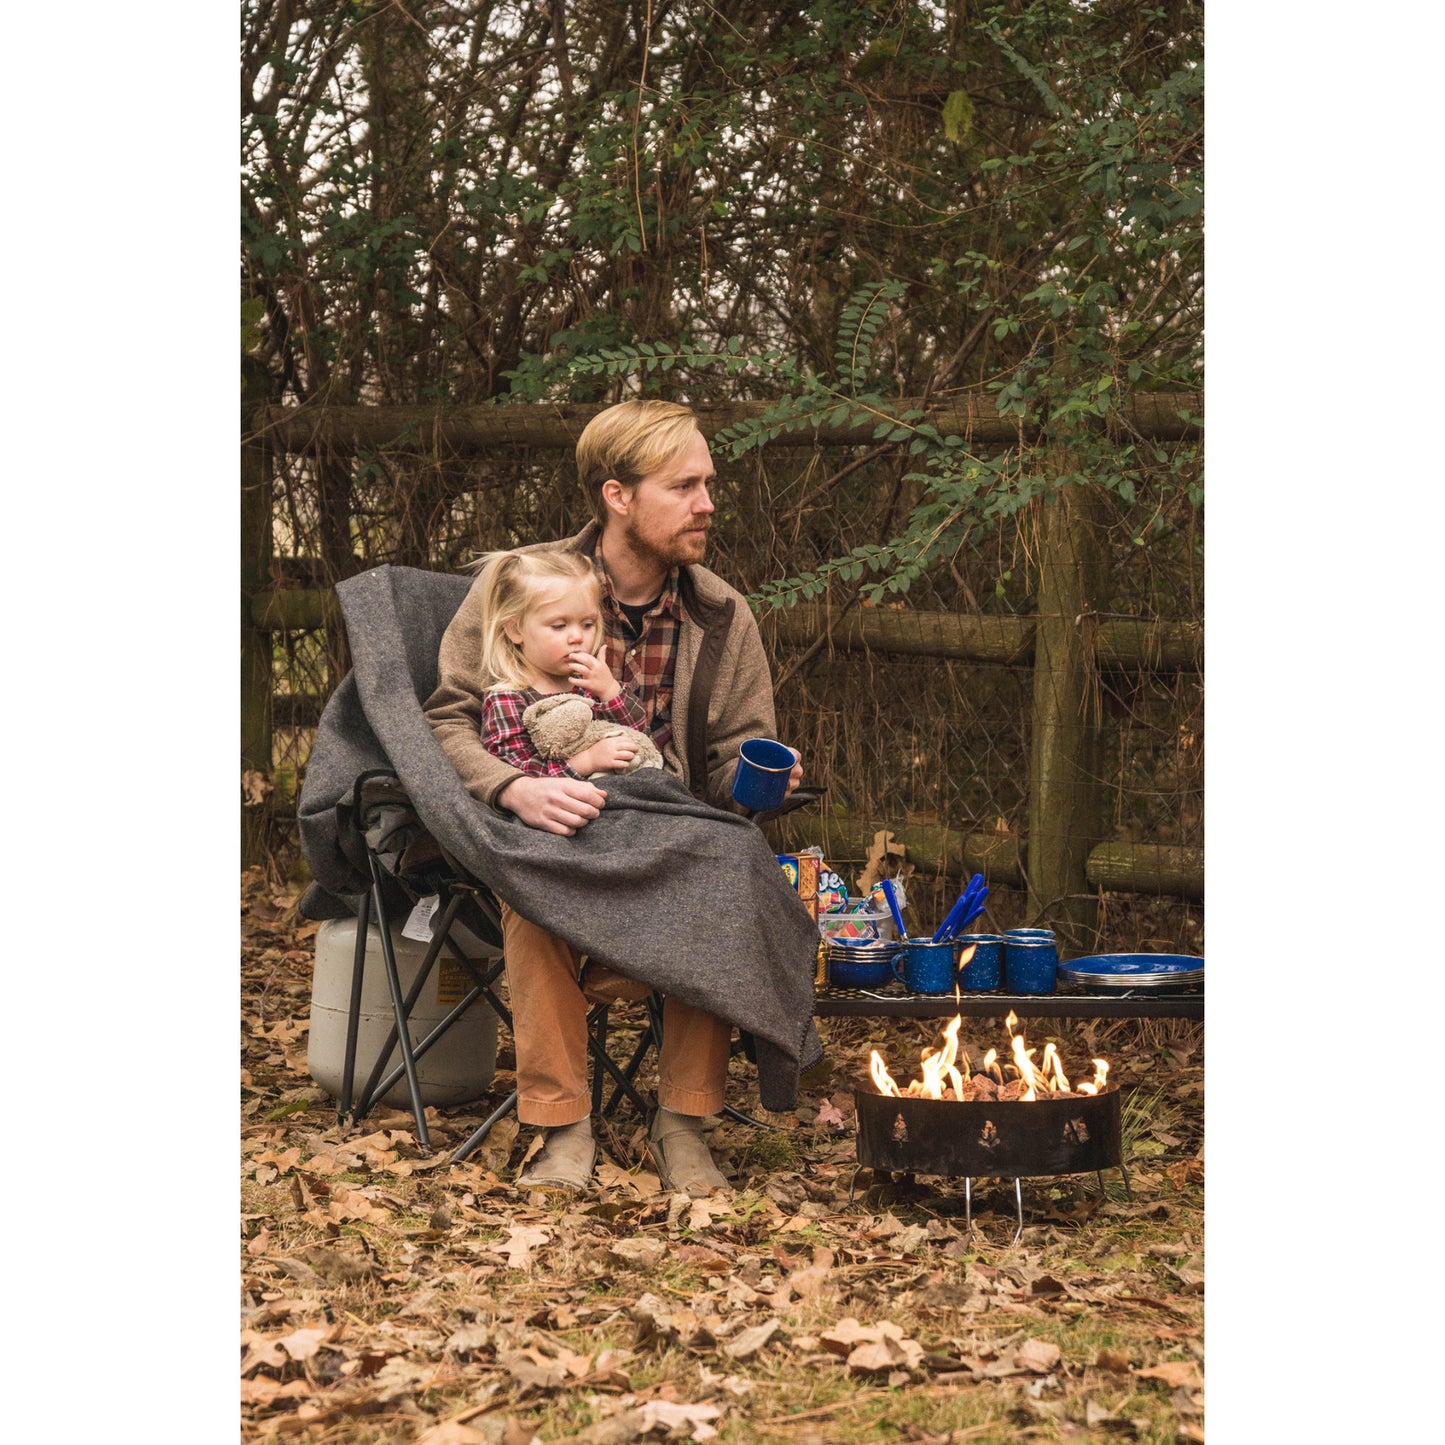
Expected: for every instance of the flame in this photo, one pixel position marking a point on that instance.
(940, 1062)
(1025, 1065)
(881, 1077)
(1033, 1080)
(942, 1078)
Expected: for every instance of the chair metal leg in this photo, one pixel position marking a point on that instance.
(374, 1090)
(742, 1118)
(602, 1059)
(644, 1045)
(433, 1036)
(495, 1117)
(353, 1017)
(598, 1031)
(485, 981)
(481, 988)
(403, 1033)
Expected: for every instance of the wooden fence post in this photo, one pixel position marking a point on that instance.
(1065, 786)
(256, 679)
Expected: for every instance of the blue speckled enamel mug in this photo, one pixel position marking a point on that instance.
(985, 969)
(925, 967)
(761, 781)
(1030, 961)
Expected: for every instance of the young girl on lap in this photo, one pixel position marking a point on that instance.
(542, 635)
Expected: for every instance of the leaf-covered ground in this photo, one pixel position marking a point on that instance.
(391, 1296)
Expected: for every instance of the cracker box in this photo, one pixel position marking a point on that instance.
(801, 871)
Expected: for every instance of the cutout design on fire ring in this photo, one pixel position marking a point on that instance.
(989, 1138)
(900, 1130)
(1076, 1132)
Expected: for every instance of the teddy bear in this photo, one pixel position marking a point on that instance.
(561, 725)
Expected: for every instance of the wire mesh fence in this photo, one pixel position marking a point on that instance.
(900, 734)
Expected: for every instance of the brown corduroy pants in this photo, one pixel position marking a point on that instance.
(549, 1028)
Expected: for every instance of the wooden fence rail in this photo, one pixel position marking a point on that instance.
(1121, 643)
(1159, 868)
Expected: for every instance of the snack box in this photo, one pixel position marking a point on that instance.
(801, 871)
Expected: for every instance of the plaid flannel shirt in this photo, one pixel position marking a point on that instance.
(504, 736)
(644, 666)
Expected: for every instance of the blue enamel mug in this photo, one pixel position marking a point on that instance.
(925, 967)
(761, 781)
(1030, 960)
(984, 970)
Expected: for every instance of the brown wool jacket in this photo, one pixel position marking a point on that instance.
(722, 689)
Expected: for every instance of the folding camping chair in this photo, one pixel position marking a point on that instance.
(406, 866)
(371, 854)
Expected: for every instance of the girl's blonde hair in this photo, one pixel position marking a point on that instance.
(511, 582)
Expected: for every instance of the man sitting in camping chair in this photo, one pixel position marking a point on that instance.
(686, 648)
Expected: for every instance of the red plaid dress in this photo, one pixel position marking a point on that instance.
(504, 736)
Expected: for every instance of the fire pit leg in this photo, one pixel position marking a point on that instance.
(1128, 1193)
(968, 1205)
(853, 1181)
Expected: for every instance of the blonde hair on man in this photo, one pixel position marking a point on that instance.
(627, 441)
(512, 584)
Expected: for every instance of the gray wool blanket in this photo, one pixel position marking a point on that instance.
(661, 887)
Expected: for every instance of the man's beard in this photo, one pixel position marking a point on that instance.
(677, 550)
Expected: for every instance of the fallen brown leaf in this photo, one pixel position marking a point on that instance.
(303, 1344)
(1040, 1356)
(521, 1240)
(702, 1213)
(702, 1258)
(263, 1390)
(745, 1344)
(640, 1253)
(1174, 1373)
(532, 1370)
(453, 1432)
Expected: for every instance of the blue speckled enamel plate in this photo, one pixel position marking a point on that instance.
(1145, 965)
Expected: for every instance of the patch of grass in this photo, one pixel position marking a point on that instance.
(1143, 1110)
(286, 1110)
(770, 1149)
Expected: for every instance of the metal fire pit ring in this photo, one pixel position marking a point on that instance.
(996, 1139)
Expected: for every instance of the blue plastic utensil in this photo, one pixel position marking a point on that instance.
(968, 906)
(967, 918)
(960, 904)
(890, 896)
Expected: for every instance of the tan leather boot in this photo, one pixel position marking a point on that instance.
(683, 1160)
(566, 1162)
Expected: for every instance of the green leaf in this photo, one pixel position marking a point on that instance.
(957, 115)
